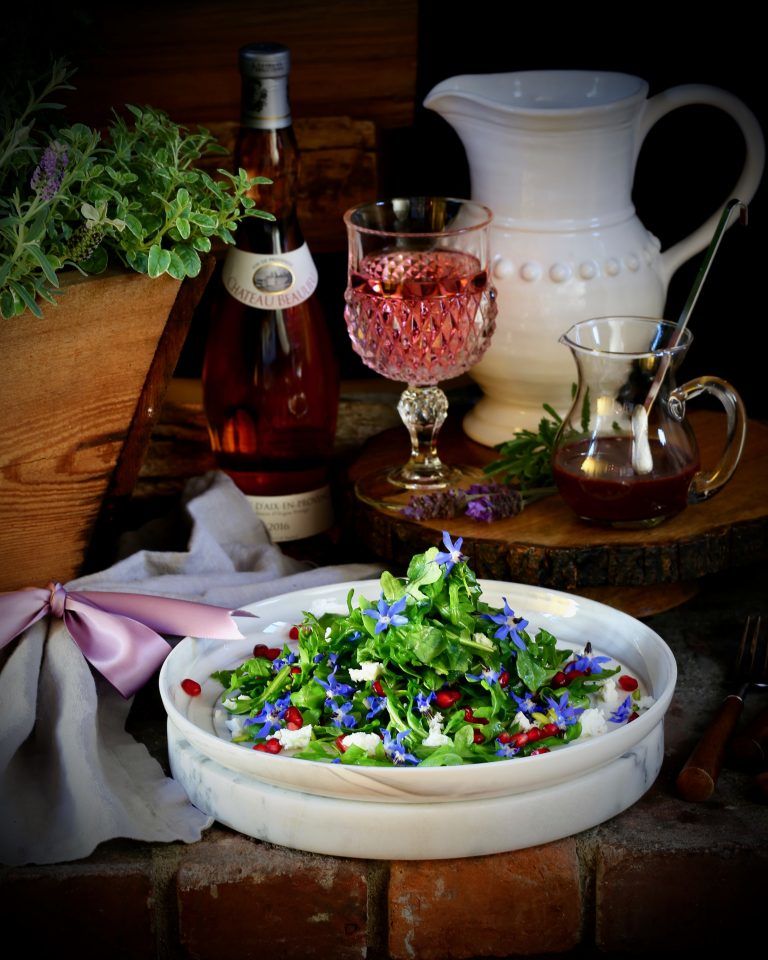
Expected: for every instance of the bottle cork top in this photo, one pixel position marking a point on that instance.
(262, 60)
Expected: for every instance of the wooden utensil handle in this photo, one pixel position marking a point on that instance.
(698, 777)
(751, 744)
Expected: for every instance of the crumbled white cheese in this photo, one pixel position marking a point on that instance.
(522, 721)
(483, 641)
(293, 739)
(369, 670)
(644, 702)
(366, 741)
(229, 704)
(593, 723)
(243, 696)
(611, 694)
(235, 725)
(436, 737)
(327, 634)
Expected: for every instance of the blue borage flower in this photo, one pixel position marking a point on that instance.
(375, 705)
(452, 555)
(271, 714)
(506, 750)
(587, 664)
(490, 676)
(509, 625)
(622, 712)
(395, 750)
(332, 686)
(354, 636)
(561, 714)
(526, 703)
(388, 614)
(422, 702)
(277, 665)
(342, 717)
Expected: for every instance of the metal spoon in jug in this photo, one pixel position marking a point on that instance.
(642, 460)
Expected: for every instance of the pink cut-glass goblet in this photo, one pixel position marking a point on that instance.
(420, 309)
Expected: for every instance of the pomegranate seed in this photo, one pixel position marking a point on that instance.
(191, 687)
(503, 678)
(269, 653)
(575, 674)
(504, 737)
(339, 745)
(519, 740)
(471, 718)
(295, 669)
(262, 747)
(534, 734)
(273, 746)
(444, 699)
(293, 715)
(550, 730)
(293, 633)
(260, 650)
(538, 750)
(478, 737)
(632, 716)
(627, 683)
(559, 679)
(378, 689)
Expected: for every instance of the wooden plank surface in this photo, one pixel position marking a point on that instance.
(348, 58)
(548, 545)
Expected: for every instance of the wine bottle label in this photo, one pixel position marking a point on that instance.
(295, 516)
(265, 103)
(270, 282)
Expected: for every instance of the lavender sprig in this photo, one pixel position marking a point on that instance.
(487, 502)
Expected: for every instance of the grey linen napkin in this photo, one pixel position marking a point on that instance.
(70, 775)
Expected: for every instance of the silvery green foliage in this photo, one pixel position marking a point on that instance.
(69, 198)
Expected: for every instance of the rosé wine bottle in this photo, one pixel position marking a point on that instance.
(270, 380)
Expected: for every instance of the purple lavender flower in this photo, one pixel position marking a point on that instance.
(509, 625)
(493, 501)
(445, 505)
(49, 173)
(395, 750)
(388, 614)
(452, 554)
(622, 712)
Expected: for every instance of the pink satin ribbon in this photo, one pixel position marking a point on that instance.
(119, 633)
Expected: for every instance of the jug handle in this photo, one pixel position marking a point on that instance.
(694, 93)
(705, 485)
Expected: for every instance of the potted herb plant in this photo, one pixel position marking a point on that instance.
(105, 246)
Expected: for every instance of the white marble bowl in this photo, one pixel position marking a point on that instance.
(582, 769)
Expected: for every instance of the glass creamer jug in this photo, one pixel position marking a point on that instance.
(617, 463)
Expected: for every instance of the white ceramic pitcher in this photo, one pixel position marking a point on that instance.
(552, 153)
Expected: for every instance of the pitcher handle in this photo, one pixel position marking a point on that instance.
(691, 93)
(706, 485)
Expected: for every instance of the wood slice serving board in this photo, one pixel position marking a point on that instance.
(640, 571)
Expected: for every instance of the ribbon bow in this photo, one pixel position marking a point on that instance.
(119, 633)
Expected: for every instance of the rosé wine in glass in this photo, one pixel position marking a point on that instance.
(420, 309)
(416, 316)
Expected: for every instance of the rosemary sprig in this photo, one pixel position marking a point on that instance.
(526, 459)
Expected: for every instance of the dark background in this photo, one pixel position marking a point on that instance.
(686, 170)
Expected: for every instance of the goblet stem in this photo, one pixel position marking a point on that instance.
(423, 411)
